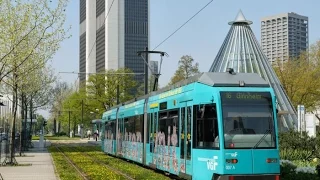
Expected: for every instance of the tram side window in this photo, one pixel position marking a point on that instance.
(106, 128)
(205, 127)
(134, 125)
(113, 125)
(139, 128)
(168, 120)
(110, 130)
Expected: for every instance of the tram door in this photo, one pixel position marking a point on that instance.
(153, 126)
(186, 137)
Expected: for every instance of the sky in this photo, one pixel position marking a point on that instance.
(201, 37)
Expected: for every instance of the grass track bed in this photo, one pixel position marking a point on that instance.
(90, 168)
(133, 170)
(63, 168)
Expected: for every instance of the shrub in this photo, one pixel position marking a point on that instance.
(290, 171)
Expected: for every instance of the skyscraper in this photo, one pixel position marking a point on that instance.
(284, 36)
(241, 51)
(111, 33)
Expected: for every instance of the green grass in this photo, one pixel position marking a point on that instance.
(95, 170)
(61, 138)
(55, 138)
(63, 168)
(133, 170)
(35, 137)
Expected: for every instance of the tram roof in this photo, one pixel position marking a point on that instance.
(221, 79)
(232, 80)
(96, 121)
(216, 79)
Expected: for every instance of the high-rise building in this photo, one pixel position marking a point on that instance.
(284, 36)
(111, 33)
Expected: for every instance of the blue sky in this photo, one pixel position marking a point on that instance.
(201, 37)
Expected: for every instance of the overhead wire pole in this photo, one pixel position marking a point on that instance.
(156, 74)
(82, 119)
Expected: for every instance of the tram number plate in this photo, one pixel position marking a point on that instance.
(230, 167)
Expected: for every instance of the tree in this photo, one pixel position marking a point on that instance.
(104, 90)
(39, 124)
(100, 92)
(185, 69)
(300, 76)
(61, 91)
(28, 29)
(71, 111)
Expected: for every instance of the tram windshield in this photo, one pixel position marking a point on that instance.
(248, 120)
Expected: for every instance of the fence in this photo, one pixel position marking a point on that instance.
(5, 145)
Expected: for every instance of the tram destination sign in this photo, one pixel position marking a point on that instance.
(245, 96)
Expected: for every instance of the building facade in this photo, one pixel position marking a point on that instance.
(6, 110)
(284, 36)
(111, 33)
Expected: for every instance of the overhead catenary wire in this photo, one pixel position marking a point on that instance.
(183, 24)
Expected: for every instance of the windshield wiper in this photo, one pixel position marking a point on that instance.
(262, 138)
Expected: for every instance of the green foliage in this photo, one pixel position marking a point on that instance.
(92, 99)
(299, 77)
(297, 146)
(102, 90)
(301, 150)
(91, 161)
(71, 108)
(40, 120)
(301, 163)
(290, 171)
(185, 69)
(30, 31)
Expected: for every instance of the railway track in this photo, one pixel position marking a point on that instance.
(83, 175)
(172, 177)
(93, 160)
(104, 164)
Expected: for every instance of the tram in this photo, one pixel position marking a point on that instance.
(210, 126)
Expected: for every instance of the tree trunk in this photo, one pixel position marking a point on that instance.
(22, 115)
(31, 115)
(25, 117)
(74, 127)
(13, 124)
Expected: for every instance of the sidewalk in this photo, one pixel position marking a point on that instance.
(42, 167)
(91, 141)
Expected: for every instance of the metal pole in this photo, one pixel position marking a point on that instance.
(81, 118)
(146, 73)
(69, 123)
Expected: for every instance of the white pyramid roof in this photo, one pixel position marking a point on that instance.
(242, 52)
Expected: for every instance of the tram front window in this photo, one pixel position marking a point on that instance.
(248, 120)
